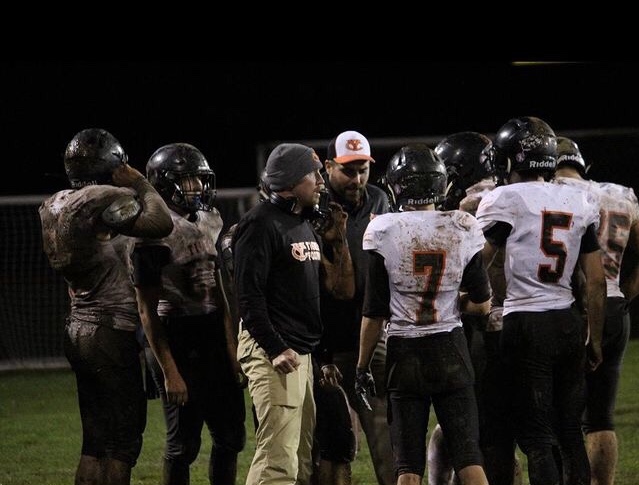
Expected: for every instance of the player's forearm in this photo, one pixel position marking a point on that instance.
(596, 309)
(370, 333)
(155, 219)
(158, 341)
(156, 335)
(630, 284)
(597, 293)
(467, 306)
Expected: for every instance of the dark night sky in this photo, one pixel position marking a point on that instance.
(230, 109)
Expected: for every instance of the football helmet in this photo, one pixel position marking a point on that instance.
(91, 157)
(466, 164)
(415, 176)
(568, 154)
(171, 169)
(526, 144)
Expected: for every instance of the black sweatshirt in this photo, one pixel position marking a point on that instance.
(277, 279)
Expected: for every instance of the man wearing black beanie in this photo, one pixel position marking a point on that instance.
(278, 268)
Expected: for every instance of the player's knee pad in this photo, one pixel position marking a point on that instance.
(191, 450)
(231, 440)
(128, 452)
(185, 452)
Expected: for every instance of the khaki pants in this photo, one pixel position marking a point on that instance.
(285, 411)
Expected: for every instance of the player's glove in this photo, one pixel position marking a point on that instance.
(364, 386)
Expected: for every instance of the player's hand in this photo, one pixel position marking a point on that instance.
(125, 176)
(594, 355)
(331, 376)
(364, 386)
(469, 204)
(176, 390)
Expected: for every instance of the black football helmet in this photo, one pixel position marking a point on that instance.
(415, 176)
(568, 154)
(466, 164)
(91, 157)
(526, 144)
(172, 163)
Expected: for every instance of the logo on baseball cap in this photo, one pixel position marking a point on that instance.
(348, 147)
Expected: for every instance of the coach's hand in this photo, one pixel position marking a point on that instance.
(364, 386)
(287, 362)
(334, 232)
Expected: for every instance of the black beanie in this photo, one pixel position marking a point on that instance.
(288, 163)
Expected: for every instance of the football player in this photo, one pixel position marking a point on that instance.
(618, 230)
(544, 229)
(425, 269)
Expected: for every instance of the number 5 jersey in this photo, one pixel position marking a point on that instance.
(547, 224)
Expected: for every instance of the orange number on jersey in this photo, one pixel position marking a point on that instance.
(616, 224)
(552, 248)
(429, 264)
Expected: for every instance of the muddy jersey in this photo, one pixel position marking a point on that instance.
(618, 212)
(96, 267)
(548, 222)
(188, 280)
(425, 254)
(474, 194)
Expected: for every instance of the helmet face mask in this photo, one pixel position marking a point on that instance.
(92, 156)
(466, 163)
(415, 176)
(181, 174)
(185, 197)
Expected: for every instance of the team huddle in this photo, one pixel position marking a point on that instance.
(482, 278)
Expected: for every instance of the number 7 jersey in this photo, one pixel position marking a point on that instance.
(425, 254)
(548, 222)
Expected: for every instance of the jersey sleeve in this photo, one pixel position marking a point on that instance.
(497, 206)
(475, 280)
(148, 262)
(372, 235)
(377, 292)
(476, 239)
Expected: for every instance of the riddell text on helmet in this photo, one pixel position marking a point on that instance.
(422, 201)
(542, 164)
(569, 158)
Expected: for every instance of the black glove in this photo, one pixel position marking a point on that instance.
(364, 386)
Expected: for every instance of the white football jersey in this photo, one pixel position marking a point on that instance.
(619, 212)
(96, 269)
(425, 254)
(475, 193)
(188, 280)
(548, 221)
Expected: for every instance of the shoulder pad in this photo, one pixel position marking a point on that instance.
(122, 211)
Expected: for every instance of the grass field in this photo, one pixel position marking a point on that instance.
(40, 432)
